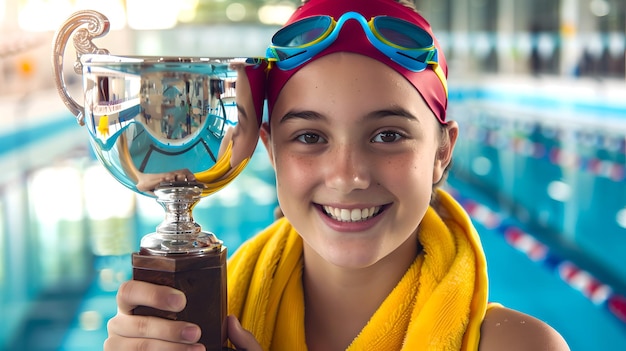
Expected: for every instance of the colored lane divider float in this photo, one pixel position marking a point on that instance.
(594, 290)
(557, 154)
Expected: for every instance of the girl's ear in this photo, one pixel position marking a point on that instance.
(444, 154)
(266, 138)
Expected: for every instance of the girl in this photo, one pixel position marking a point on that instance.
(370, 254)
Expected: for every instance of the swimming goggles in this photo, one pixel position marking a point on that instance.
(405, 43)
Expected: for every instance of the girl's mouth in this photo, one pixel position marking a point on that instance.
(352, 215)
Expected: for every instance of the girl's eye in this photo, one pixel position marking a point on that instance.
(310, 138)
(386, 137)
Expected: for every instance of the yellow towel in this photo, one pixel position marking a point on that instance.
(439, 304)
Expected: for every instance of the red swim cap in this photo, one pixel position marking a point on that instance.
(353, 39)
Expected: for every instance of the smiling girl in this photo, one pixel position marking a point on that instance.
(370, 253)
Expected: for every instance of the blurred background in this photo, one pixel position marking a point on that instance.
(538, 88)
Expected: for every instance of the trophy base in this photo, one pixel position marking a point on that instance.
(202, 277)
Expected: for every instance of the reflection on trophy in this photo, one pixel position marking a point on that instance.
(176, 129)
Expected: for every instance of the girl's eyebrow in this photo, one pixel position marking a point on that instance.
(393, 112)
(377, 114)
(307, 115)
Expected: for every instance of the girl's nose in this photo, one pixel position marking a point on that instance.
(347, 169)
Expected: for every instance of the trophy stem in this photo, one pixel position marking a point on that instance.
(179, 233)
(178, 201)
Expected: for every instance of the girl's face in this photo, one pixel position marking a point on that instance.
(356, 152)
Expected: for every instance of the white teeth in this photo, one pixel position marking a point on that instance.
(365, 212)
(354, 215)
(345, 215)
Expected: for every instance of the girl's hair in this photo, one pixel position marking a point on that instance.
(408, 3)
(444, 144)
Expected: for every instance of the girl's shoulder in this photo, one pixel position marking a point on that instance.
(507, 329)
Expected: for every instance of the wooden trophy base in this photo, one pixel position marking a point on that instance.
(202, 277)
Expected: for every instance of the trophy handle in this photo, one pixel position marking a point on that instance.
(97, 26)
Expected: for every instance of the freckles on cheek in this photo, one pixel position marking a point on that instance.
(291, 168)
(409, 167)
(396, 164)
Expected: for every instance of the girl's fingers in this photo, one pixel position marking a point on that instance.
(241, 338)
(145, 327)
(135, 293)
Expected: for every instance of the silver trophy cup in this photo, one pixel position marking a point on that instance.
(176, 129)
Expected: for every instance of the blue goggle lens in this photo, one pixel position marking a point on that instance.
(402, 33)
(302, 32)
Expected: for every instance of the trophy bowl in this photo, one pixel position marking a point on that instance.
(175, 129)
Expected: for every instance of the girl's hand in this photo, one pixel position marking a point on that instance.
(241, 338)
(129, 332)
